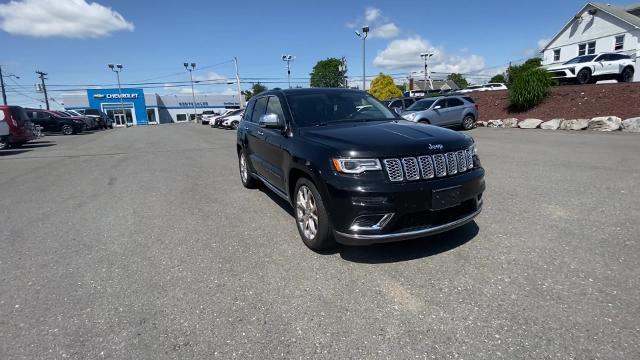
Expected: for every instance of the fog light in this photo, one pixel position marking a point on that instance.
(371, 222)
(369, 201)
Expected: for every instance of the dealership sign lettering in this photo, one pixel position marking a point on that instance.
(115, 96)
(190, 104)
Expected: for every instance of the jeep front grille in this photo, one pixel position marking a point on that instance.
(429, 166)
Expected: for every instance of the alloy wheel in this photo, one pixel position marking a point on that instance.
(307, 212)
(67, 130)
(244, 173)
(467, 123)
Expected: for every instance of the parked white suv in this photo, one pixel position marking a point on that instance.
(587, 69)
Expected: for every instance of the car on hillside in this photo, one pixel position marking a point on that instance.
(473, 88)
(495, 86)
(53, 122)
(588, 69)
(21, 129)
(357, 177)
(446, 111)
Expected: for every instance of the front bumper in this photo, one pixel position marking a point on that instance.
(396, 212)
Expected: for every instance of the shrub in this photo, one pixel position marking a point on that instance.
(383, 87)
(529, 88)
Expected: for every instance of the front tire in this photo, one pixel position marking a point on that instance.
(311, 217)
(247, 179)
(234, 125)
(4, 144)
(468, 122)
(584, 76)
(627, 74)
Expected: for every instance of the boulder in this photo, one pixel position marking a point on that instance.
(631, 125)
(552, 124)
(510, 123)
(495, 124)
(574, 124)
(481, 123)
(605, 123)
(529, 123)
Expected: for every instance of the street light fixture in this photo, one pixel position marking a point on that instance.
(288, 59)
(193, 93)
(4, 94)
(427, 75)
(365, 31)
(117, 68)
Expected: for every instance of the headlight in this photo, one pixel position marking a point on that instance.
(355, 166)
(474, 149)
(410, 117)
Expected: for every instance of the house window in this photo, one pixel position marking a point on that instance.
(556, 55)
(587, 48)
(619, 43)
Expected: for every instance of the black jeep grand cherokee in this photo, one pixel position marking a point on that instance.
(354, 171)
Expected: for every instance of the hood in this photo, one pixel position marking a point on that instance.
(387, 139)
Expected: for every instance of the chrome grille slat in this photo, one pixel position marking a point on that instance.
(411, 168)
(462, 161)
(439, 165)
(426, 167)
(429, 166)
(394, 169)
(452, 164)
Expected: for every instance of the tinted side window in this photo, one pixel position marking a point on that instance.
(469, 99)
(454, 102)
(408, 102)
(442, 103)
(248, 111)
(259, 109)
(395, 104)
(274, 107)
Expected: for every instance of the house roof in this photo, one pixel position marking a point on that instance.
(418, 84)
(624, 13)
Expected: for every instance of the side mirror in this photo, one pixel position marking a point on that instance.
(270, 121)
(437, 107)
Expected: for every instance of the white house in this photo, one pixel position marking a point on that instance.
(597, 28)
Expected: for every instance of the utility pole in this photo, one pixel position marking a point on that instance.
(117, 69)
(427, 74)
(193, 92)
(240, 100)
(4, 94)
(365, 31)
(42, 77)
(288, 59)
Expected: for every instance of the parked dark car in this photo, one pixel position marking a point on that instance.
(21, 129)
(401, 104)
(104, 120)
(90, 122)
(354, 171)
(52, 122)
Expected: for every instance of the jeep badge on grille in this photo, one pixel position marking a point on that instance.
(436, 147)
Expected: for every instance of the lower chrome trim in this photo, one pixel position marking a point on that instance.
(271, 187)
(380, 238)
(379, 226)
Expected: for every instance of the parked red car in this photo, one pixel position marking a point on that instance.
(21, 129)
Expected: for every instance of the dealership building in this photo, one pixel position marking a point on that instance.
(143, 109)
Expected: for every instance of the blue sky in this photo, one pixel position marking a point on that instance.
(73, 40)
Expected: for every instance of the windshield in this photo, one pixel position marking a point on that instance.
(315, 109)
(421, 105)
(581, 59)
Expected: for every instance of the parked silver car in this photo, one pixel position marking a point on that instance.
(445, 111)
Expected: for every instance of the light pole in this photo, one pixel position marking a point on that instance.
(4, 94)
(193, 93)
(343, 71)
(288, 59)
(427, 75)
(117, 69)
(363, 36)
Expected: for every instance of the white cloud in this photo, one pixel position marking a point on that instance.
(405, 54)
(380, 26)
(542, 43)
(210, 76)
(372, 14)
(60, 18)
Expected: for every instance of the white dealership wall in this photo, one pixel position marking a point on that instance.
(600, 27)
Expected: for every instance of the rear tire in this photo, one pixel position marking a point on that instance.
(627, 74)
(468, 122)
(4, 144)
(311, 216)
(247, 179)
(584, 76)
(67, 130)
(424, 121)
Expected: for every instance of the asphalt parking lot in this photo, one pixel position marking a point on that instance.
(141, 243)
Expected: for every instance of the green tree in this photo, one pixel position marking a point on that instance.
(528, 88)
(383, 87)
(515, 70)
(402, 88)
(256, 89)
(498, 79)
(459, 80)
(327, 73)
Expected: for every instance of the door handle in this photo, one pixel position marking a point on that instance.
(246, 128)
(260, 132)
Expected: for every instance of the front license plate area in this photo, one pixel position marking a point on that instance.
(446, 198)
